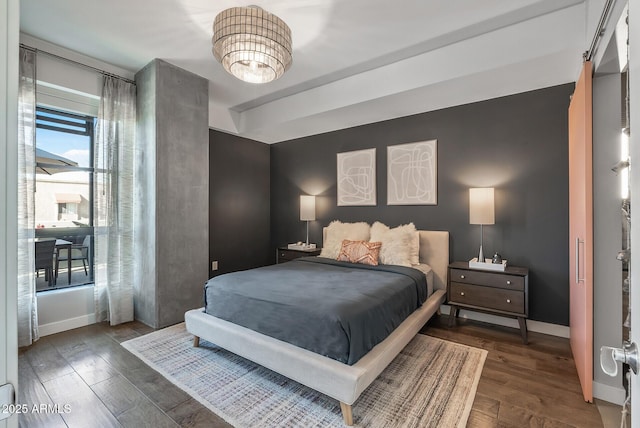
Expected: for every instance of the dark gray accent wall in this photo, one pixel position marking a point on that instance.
(517, 144)
(171, 194)
(239, 195)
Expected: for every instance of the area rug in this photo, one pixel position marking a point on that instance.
(431, 383)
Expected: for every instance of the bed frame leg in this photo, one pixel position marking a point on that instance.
(196, 341)
(347, 414)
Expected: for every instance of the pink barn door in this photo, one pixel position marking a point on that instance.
(581, 230)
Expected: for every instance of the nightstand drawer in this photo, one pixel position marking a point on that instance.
(487, 297)
(287, 254)
(492, 279)
(503, 293)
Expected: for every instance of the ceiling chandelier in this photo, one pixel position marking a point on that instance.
(252, 44)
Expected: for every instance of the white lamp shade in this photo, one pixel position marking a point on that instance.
(481, 206)
(307, 208)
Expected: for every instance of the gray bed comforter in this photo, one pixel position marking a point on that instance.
(336, 309)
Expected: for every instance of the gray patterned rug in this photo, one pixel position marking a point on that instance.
(431, 383)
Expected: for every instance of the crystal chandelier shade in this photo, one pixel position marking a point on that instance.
(252, 44)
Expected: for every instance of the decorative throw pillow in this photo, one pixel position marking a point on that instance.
(337, 232)
(397, 243)
(362, 252)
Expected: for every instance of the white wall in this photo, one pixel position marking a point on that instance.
(607, 233)
(607, 199)
(594, 12)
(65, 309)
(634, 145)
(66, 85)
(9, 17)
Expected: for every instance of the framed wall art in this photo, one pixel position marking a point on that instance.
(357, 178)
(412, 176)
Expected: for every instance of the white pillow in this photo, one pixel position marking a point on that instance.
(397, 243)
(337, 232)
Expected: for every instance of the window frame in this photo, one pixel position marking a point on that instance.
(76, 124)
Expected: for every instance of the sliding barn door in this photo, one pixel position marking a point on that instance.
(581, 231)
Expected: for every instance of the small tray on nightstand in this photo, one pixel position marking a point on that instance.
(301, 247)
(487, 265)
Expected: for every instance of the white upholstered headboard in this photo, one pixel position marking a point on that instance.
(434, 251)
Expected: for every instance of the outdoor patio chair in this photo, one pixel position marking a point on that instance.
(78, 252)
(44, 259)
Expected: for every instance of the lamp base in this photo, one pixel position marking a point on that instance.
(480, 255)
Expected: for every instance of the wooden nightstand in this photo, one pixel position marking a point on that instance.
(284, 254)
(501, 293)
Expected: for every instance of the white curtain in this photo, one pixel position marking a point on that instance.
(113, 205)
(27, 302)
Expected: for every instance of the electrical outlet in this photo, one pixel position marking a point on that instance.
(214, 265)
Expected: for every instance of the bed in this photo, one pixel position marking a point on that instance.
(339, 380)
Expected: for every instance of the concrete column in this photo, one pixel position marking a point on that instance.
(172, 194)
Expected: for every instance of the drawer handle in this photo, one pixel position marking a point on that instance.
(508, 282)
(462, 276)
(462, 293)
(508, 300)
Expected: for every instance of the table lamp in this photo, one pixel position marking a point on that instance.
(307, 211)
(481, 211)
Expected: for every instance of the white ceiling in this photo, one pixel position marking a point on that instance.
(354, 61)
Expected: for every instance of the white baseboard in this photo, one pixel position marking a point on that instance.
(612, 394)
(537, 326)
(64, 325)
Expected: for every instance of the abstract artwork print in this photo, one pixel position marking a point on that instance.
(357, 178)
(412, 173)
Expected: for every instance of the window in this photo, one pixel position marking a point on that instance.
(64, 194)
(67, 211)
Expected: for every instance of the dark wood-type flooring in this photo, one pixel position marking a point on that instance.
(533, 385)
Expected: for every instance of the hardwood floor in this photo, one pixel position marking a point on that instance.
(104, 384)
(533, 385)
